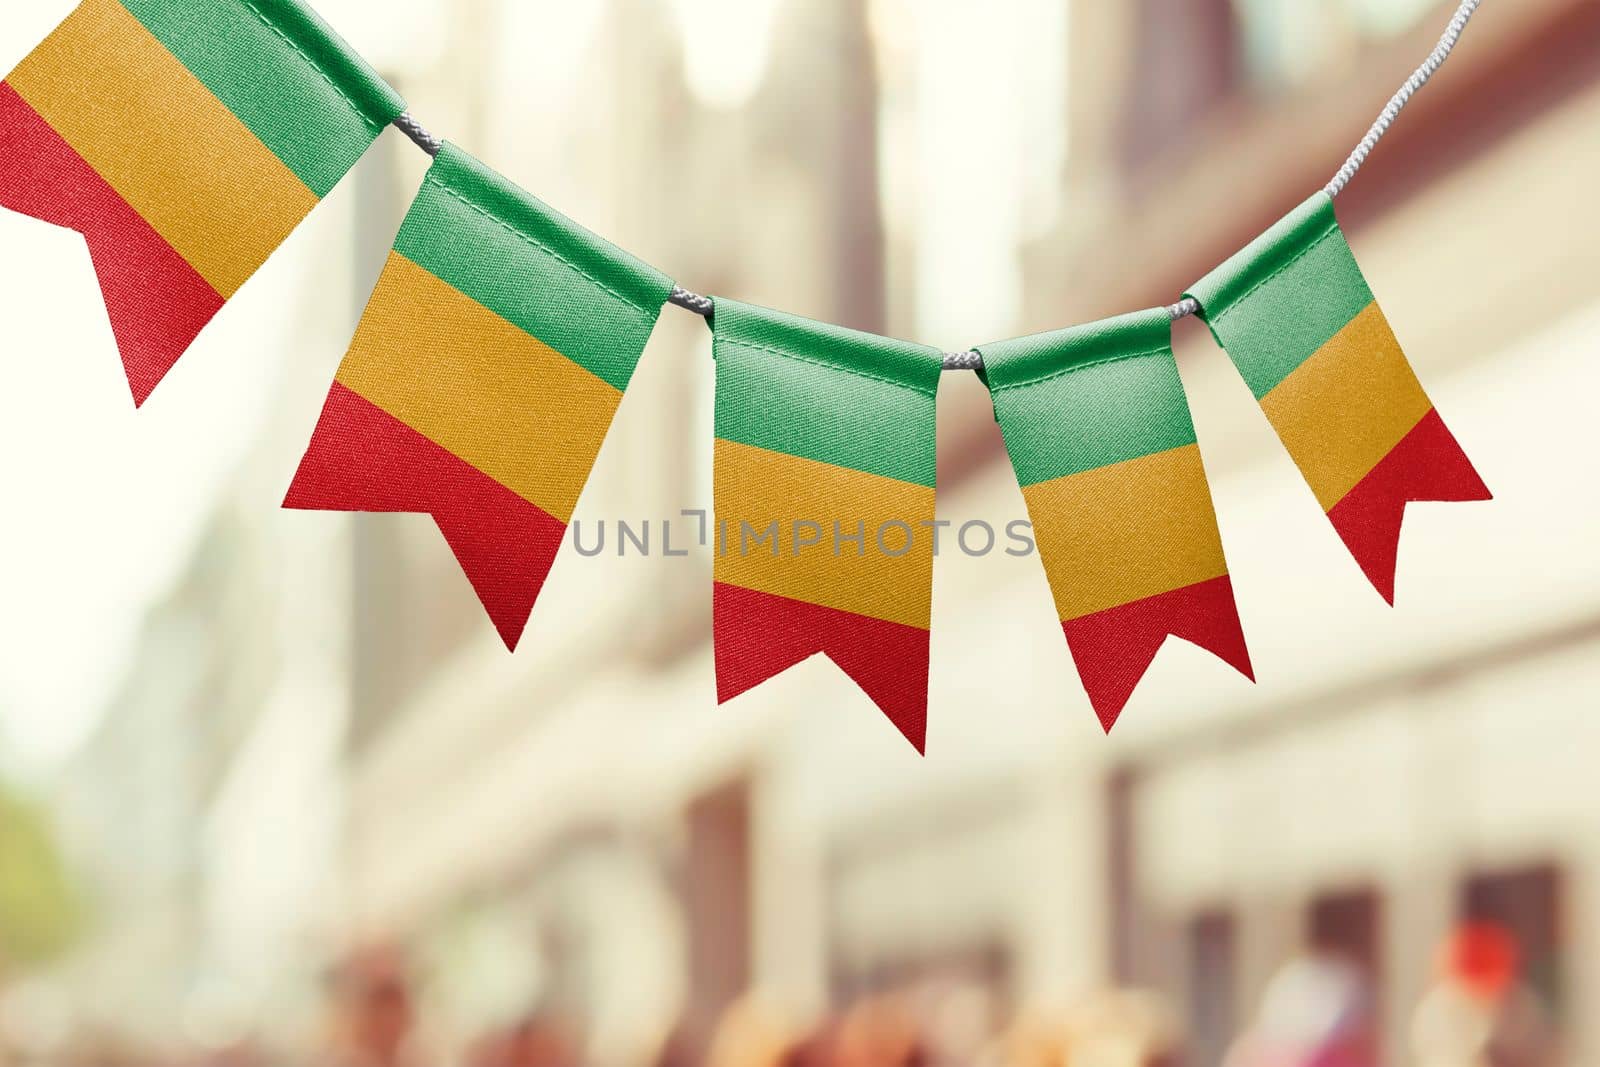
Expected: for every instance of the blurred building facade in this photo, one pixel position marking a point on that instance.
(581, 826)
(1407, 785)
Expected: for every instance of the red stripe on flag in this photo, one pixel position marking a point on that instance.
(158, 303)
(1427, 465)
(361, 458)
(760, 635)
(1114, 648)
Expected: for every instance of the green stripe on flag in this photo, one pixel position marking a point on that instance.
(582, 296)
(287, 76)
(1285, 295)
(826, 393)
(1089, 396)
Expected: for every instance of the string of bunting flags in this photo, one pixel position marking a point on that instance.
(185, 139)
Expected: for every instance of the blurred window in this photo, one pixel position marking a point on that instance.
(716, 889)
(1286, 42)
(1122, 876)
(1348, 926)
(1527, 903)
(1212, 981)
(1187, 62)
(1389, 17)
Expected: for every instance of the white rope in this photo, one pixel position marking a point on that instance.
(1397, 103)
(700, 305)
(418, 134)
(704, 305)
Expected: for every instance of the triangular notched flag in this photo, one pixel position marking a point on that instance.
(1296, 316)
(483, 378)
(184, 139)
(825, 470)
(1098, 429)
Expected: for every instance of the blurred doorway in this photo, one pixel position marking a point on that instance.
(716, 895)
(1527, 903)
(1213, 981)
(1348, 926)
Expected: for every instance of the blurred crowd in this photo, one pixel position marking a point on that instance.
(1318, 1011)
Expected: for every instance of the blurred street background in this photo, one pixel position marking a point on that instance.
(272, 792)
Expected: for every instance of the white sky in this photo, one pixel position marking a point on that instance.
(726, 46)
(982, 143)
(103, 505)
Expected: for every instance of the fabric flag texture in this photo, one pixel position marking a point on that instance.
(824, 485)
(1098, 429)
(1296, 316)
(483, 378)
(184, 139)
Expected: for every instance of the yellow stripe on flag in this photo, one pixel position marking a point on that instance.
(760, 487)
(480, 387)
(1127, 531)
(1347, 406)
(158, 136)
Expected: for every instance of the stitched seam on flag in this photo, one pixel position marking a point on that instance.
(1303, 253)
(832, 366)
(313, 64)
(1076, 367)
(643, 311)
